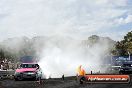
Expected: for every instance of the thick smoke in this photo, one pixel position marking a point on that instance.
(62, 55)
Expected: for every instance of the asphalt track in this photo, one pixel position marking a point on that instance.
(57, 83)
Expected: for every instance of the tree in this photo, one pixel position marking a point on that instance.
(124, 46)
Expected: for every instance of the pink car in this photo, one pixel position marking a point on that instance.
(28, 70)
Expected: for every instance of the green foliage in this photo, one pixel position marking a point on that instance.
(124, 46)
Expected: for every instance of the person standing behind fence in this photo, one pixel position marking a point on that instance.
(2, 66)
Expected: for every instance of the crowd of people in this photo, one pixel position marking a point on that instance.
(6, 65)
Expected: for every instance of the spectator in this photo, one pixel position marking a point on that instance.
(63, 77)
(2, 67)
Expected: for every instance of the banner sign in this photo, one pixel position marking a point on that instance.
(107, 78)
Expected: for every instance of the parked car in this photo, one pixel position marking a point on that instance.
(125, 69)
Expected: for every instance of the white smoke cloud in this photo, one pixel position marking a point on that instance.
(62, 55)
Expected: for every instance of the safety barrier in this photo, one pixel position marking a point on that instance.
(6, 73)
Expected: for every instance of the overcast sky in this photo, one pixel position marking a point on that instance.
(75, 18)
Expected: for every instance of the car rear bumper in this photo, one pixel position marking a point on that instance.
(125, 71)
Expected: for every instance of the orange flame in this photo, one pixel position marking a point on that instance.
(81, 71)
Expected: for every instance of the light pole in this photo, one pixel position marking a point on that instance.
(129, 55)
(111, 58)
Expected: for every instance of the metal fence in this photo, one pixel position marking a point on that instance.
(6, 73)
